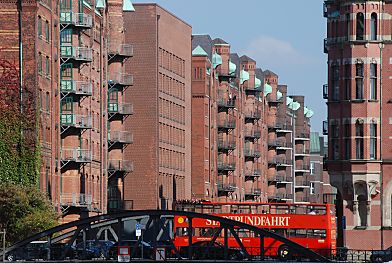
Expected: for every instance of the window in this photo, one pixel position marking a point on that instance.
(335, 82)
(360, 26)
(373, 141)
(335, 141)
(47, 33)
(311, 189)
(373, 81)
(39, 63)
(347, 81)
(348, 26)
(66, 36)
(373, 26)
(359, 139)
(66, 71)
(311, 168)
(359, 81)
(347, 142)
(39, 26)
(67, 105)
(47, 102)
(47, 66)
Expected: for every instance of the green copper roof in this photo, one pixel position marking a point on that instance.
(244, 76)
(267, 89)
(128, 6)
(294, 105)
(289, 101)
(208, 71)
(305, 110)
(199, 52)
(309, 113)
(232, 67)
(314, 142)
(100, 4)
(257, 82)
(279, 95)
(216, 60)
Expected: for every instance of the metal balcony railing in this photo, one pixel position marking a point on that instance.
(76, 155)
(227, 124)
(280, 144)
(47, 3)
(284, 179)
(120, 78)
(302, 168)
(272, 160)
(226, 187)
(283, 127)
(253, 192)
(76, 120)
(120, 108)
(304, 199)
(226, 103)
(252, 133)
(226, 145)
(253, 115)
(76, 199)
(253, 153)
(124, 50)
(302, 136)
(283, 162)
(77, 53)
(77, 87)
(280, 196)
(301, 151)
(253, 89)
(325, 91)
(325, 127)
(116, 165)
(120, 137)
(253, 174)
(76, 19)
(302, 183)
(226, 166)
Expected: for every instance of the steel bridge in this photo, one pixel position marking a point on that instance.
(62, 240)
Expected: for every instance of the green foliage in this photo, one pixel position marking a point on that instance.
(19, 160)
(24, 211)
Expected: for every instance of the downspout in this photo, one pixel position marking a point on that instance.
(20, 83)
(381, 45)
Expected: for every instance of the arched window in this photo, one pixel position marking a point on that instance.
(373, 141)
(359, 139)
(373, 26)
(373, 81)
(360, 26)
(362, 210)
(348, 26)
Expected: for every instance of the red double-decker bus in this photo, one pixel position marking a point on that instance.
(310, 225)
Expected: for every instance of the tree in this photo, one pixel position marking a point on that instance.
(24, 211)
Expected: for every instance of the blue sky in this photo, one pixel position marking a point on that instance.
(285, 36)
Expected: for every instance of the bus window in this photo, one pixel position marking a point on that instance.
(204, 231)
(279, 231)
(183, 231)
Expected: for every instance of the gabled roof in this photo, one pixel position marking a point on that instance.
(199, 51)
(204, 41)
(219, 41)
(269, 73)
(245, 58)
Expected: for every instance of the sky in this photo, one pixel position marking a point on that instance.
(284, 36)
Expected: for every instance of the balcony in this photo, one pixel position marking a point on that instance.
(281, 145)
(225, 76)
(302, 183)
(252, 174)
(325, 127)
(227, 124)
(123, 166)
(226, 145)
(80, 54)
(75, 155)
(226, 187)
(280, 196)
(123, 137)
(252, 134)
(251, 153)
(122, 79)
(302, 168)
(120, 51)
(301, 151)
(272, 161)
(226, 167)
(82, 20)
(253, 90)
(283, 128)
(302, 199)
(77, 121)
(325, 91)
(284, 179)
(302, 136)
(274, 100)
(251, 116)
(226, 103)
(83, 88)
(253, 192)
(283, 162)
(76, 199)
(120, 108)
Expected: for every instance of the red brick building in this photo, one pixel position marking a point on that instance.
(64, 65)
(358, 94)
(162, 122)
